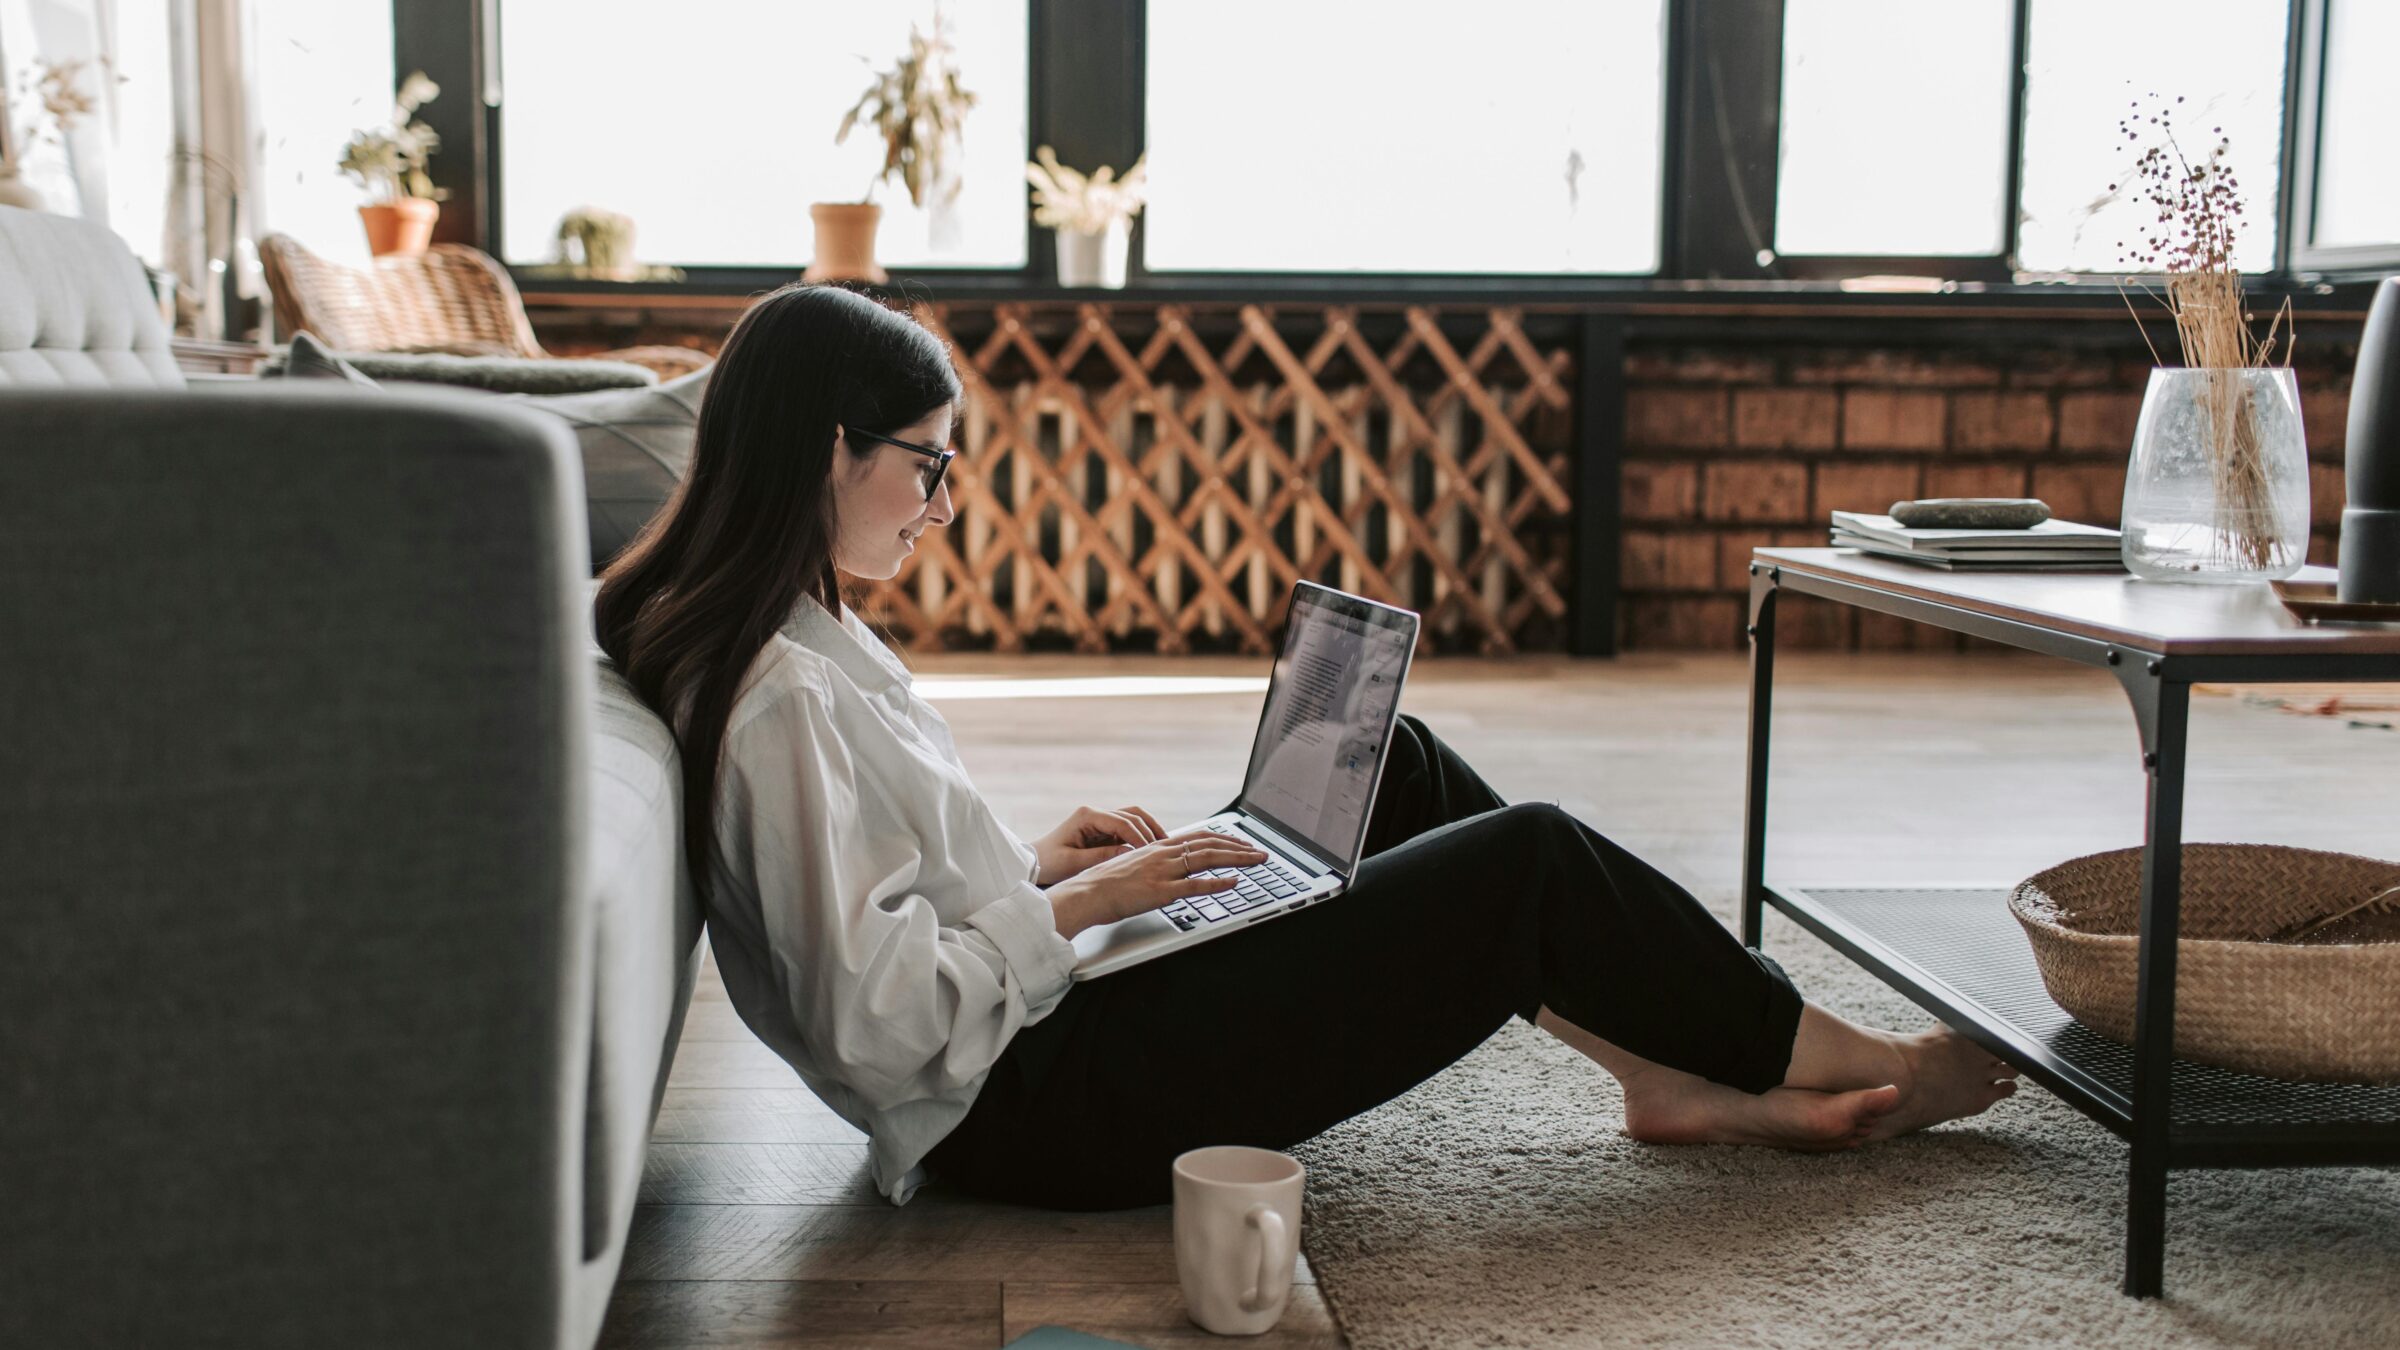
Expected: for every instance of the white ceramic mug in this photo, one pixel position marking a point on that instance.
(1237, 1236)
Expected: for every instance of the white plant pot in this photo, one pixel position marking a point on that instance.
(1094, 259)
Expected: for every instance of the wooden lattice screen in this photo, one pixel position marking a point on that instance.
(1156, 477)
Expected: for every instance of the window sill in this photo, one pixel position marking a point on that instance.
(724, 290)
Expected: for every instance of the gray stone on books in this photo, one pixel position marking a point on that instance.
(1971, 513)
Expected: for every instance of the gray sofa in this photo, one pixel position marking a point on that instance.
(344, 936)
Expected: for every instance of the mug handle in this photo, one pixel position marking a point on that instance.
(1274, 1259)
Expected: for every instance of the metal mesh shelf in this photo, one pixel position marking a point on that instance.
(1962, 949)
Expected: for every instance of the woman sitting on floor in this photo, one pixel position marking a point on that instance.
(880, 928)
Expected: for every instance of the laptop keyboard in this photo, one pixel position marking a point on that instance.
(1256, 889)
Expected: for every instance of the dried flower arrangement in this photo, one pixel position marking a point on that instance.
(1066, 200)
(389, 160)
(2199, 216)
(54, 86)
(920, 109)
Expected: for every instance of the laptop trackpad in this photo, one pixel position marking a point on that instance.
(1140, 930)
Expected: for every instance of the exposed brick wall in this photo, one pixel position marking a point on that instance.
(1728, 448)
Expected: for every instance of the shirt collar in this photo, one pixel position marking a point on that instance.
(847, 643)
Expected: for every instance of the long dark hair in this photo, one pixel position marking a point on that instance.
(689, 604)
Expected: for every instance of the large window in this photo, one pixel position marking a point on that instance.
(141, 163)
(1736, 139)
(2358, 168)
(711, 124)
(1523, 136)
(324, 70)
(2094, 61)
(1895, 127)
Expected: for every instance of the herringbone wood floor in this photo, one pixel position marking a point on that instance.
(757, 1226)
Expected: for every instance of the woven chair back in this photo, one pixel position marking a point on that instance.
(450, 298)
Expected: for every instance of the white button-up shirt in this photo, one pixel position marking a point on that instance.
(875, 923)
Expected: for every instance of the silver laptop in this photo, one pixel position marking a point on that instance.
(1314, 767)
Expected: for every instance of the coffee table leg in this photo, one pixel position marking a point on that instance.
(2164, 708)
(1763, 585)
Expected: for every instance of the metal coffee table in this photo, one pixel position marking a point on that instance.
(1960, 955)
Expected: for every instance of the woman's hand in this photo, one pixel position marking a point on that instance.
(1143, 879)
(1091, 837)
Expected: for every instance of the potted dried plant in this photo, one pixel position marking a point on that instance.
(1092, 217)
(62, 102)
(2217, 490)
(389, 162)
(918, 108)
(598, 243)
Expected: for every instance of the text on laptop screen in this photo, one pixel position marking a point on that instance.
(1329, 706)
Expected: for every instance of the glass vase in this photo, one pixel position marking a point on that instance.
(2218, 488)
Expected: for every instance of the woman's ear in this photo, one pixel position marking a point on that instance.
(848, 467)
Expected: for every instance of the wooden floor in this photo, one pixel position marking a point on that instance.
(758, 1226)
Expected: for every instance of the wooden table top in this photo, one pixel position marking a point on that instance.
(2154, 616)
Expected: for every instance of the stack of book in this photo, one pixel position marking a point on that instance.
(2052, 546)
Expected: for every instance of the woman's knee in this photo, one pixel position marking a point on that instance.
(1411, 748)
(1541, 820)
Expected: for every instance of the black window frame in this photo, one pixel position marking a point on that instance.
(2304, 129)
(1997, 267)
(1721, 128)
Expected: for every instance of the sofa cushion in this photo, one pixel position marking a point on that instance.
(636, 445)
(308, 359)
(647, 933)
(636, 442)
(76, 308)
(499, 374)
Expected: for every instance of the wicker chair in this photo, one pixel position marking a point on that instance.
(451, 298)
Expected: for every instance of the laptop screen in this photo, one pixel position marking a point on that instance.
(1330, 706)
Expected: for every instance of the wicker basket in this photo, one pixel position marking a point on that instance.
(2289, 964)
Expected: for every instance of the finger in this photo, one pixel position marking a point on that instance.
(1093, 827)
(1157, 831)
(1126, 826)
(1196, 837)
(1205, 859)
(1200, 885)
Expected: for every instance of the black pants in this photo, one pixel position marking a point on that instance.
(1467, 911)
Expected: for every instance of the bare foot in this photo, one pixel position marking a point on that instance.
(1944, 1076)
(1666, 1106)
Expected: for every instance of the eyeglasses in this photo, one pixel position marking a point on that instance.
(941, 458)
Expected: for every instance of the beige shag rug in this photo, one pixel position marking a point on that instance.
(1498, 1205)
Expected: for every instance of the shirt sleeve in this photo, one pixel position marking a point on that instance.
(884, 996)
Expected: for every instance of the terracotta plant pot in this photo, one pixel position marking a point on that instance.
(403, 226)
(845, 242)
